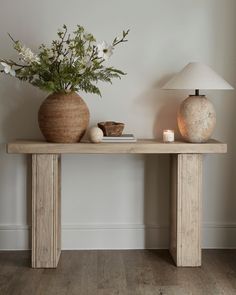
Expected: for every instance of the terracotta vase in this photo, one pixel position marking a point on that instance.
(63, 117)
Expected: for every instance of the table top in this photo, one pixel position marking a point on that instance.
(142, 146)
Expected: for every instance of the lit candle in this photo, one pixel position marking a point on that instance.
(168, 136)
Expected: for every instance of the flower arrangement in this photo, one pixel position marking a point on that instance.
(73, 62)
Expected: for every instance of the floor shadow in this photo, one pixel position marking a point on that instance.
(18, 259)
(161, 255)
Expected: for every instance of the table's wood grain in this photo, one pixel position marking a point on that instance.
(185, 237)
(185, 209)
(46, 210)
(142, 146)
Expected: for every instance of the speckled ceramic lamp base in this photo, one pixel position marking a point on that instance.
(196, 118)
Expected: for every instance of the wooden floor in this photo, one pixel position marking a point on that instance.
(133, 272)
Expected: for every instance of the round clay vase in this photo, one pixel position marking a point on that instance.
(196, 119)
(63, 117)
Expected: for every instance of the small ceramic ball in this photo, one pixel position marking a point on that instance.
(95, 134)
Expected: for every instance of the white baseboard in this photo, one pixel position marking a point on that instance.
(117, 236)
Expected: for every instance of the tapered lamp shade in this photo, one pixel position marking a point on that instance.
(196, 116)
(197, 76)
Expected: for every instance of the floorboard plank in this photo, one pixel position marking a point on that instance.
(121, 272)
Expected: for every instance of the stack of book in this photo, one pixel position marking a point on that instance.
(122, 138)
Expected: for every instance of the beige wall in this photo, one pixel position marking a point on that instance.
(108, 201)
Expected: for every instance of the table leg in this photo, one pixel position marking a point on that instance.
(185, 227)
(46, 210)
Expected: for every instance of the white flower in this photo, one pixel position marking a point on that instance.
(60, 57)
(60, 31)
(104, 50)
(81, 71)
(28, 56)
(50, 53)
(92, 43)
(85, 35)
(8, 69)
(87, 62)
(37, 59)
(73, 51)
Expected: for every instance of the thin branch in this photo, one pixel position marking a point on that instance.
(14, 41)
(13, 63)
(123, 38)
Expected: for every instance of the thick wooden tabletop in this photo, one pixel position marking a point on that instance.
(142, 146)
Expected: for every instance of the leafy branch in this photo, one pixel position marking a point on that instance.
(73, 62)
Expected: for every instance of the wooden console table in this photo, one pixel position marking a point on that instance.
(186, 196)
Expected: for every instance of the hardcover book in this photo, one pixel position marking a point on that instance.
(122, 138)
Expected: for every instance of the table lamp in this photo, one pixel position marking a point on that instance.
(196, 116)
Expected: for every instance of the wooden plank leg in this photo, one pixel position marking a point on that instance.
(46, 210)
(185, 225)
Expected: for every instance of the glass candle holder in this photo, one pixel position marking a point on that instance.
(168, 136)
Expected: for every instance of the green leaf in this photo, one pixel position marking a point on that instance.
(63, 65)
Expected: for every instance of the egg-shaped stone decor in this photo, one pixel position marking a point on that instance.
(95, 134)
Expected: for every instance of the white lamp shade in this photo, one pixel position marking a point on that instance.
(197, 76)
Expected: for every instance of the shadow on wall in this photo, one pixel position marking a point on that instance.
(19, 107)
(165, 105)
(156, 200)
(162, 105)
(19, 103)
(166, 117)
